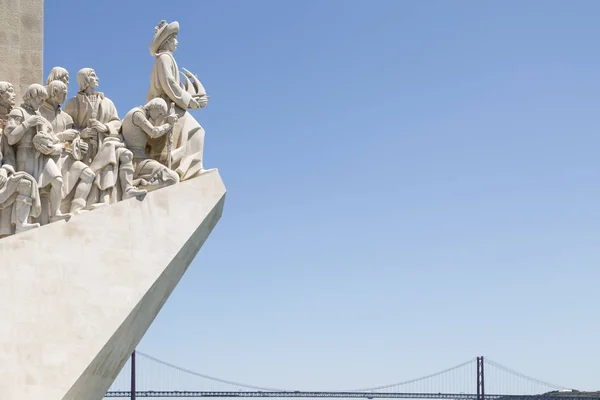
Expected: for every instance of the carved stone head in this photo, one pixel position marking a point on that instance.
(35, 95)
(57, 92)
(86, 77)
(8, 97)
(170, 44)
(156, 110)
(165, 37)
(58, 74)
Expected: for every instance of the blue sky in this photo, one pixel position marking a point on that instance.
(411, 184)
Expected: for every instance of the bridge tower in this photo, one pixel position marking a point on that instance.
(480, 379)
(132, 391)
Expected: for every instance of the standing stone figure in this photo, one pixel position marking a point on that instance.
(19, 196)
(140, 125)
(96, 118)
(188, 136)
(8, 98)
(77, 176)
(36, 144)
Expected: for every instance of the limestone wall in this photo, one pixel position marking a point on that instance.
(21, 43)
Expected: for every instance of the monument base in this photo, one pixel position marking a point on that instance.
(77, 296)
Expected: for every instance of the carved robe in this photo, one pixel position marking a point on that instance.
(9, 194)
(188, 135)
(72, 168)
(10, 190)
(83, 107)
(103, 156)
(8, 152)
(19, 185)
(42, 167)
(8, 157)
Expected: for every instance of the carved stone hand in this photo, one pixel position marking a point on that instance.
(194, 104)
(35, 120)
(58, 148)
(172, 119)
(9, 169)
(201, 100)
(84, 147)
(88, 133)
(69, 135)
(98, 126)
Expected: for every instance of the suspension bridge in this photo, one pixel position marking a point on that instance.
(476, 379)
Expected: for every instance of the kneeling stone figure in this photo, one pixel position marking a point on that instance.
(140, 125)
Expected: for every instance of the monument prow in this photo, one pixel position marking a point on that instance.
(100, 216)
(77, 296)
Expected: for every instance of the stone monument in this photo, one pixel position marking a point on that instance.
(99, 219)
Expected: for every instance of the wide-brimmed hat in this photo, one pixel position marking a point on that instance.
(161, 32)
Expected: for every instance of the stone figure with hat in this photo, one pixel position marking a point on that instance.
(186, 157)
(57, 163)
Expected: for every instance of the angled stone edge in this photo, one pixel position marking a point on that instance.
(76, 297)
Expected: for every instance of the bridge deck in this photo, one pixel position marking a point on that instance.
(345, 395)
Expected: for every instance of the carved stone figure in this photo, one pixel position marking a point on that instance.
(7, 102)
(55, 163)
(96, 117)
(8, 98)
(141, 125)
(19, 194)
(58, 74)
(19, 197)
(77, 176)
(36, 145)
(188, 137)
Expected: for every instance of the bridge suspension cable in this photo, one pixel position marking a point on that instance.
(268, 389)
(523, 376)
(457, 379)
(374, 388)
(212, 378)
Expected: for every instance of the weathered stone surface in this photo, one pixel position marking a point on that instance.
(21, 42)
(77, 296)
(84, 156)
